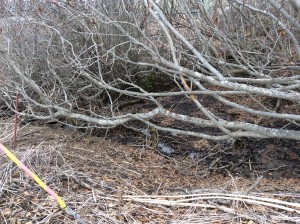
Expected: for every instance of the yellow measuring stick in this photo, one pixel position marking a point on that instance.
(33, 176)
(61, 203)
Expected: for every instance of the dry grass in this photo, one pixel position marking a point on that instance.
(98, 189)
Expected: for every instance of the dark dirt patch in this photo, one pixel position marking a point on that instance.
(245, 157)
(269, 157)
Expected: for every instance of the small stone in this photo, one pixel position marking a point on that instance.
(6, 212)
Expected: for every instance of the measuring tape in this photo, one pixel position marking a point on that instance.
(59, 200)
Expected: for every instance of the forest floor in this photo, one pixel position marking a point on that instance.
(118, 176)
(110, 181)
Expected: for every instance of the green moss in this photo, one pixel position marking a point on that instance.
(148, 82)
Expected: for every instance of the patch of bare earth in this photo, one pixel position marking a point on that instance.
(109, 182)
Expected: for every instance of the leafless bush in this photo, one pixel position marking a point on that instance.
(82, 60)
